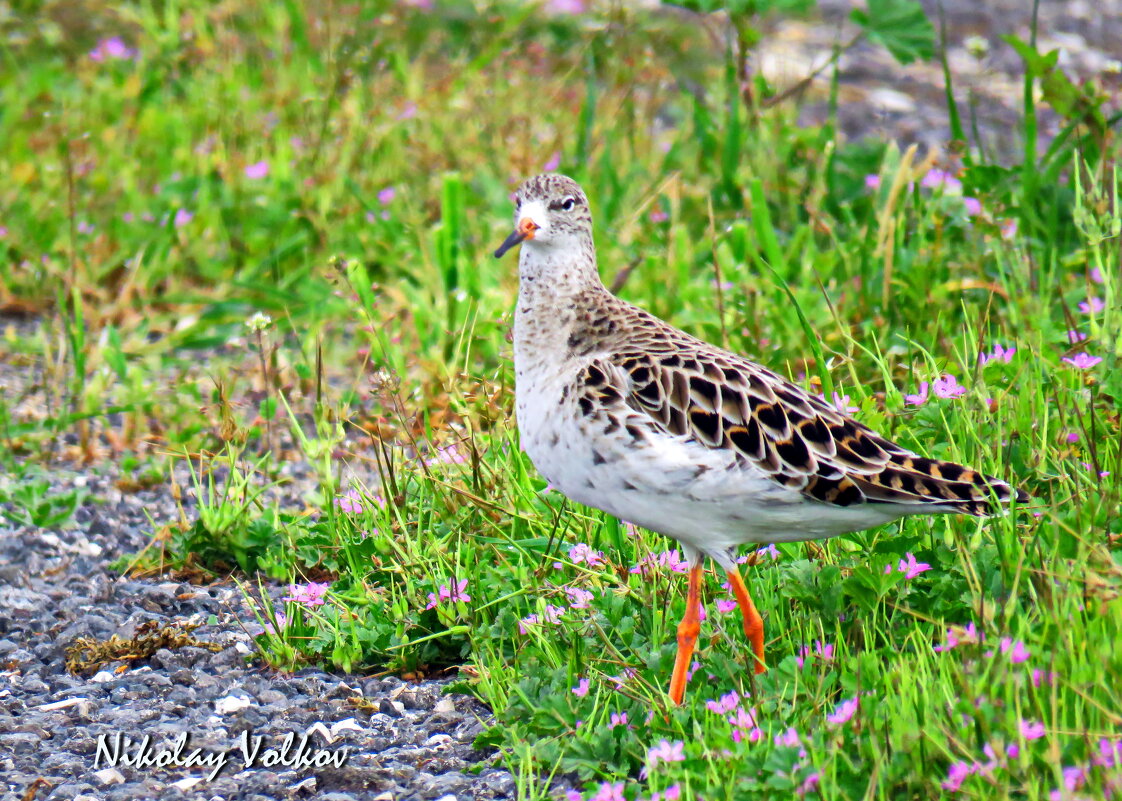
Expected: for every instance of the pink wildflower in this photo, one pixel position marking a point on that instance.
(617, 719)
(1032, 730)
(310, 594)
(844, 711)
(726, 703)
(1097, 275)
(667, 751)
(609, 792)
(527, 622)
(770, 550)
(623, 678)
(919, 398)
(1092, 305)
(112, 48)
(578, 598)
(1109, 754)
(1009, 229)
(258, 170)
(994, 760)
(182, 217)
(957, 635)
(582, 553)
(789, 738)
(948, 387)
(911, 568)
(1082, 361)
(553, 163)
(824, 651)
(973, 206)
(872, 181)
(840, 402)
(1000, 354)
(447, 454)
(566, 7)
(1075, 777)
(350, 502)
(724, 607)
(743, 718)
(1039, 677)
(810, 783)
(957, 773)
(670, 559)
(940, 178)
(1074, 336)
(448, 594)
(385, 196)
(581, 690)
(1016, 650)
(753, 735)
(282, 621)
(658, 216)
(1071, 437)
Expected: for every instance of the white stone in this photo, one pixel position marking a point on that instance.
(231, 703)
(109, 776)
(65, 703)
(349, 724)
(444, 706)
(187, 783)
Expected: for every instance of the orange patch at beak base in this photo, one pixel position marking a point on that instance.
(525, 230)
(526, 227)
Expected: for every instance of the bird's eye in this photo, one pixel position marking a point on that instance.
(568, 203)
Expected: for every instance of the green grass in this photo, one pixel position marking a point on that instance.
(386, 352)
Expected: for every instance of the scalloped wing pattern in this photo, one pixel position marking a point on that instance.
(723, 401)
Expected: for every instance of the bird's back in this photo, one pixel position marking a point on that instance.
(688, 388)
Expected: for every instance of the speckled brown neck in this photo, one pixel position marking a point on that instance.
(559, 289)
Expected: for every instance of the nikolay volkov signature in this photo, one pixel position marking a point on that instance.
(118, 749)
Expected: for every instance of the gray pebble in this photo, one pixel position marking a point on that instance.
(51, 601)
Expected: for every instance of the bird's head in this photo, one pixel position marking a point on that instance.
(550, 211)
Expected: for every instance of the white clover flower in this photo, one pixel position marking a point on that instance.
(977, 46)
(258, 322)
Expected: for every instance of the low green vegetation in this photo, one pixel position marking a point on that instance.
(245, 236)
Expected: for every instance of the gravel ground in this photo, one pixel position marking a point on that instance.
(55, 587)
(880, 99)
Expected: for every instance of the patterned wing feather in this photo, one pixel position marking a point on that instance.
(799, 441)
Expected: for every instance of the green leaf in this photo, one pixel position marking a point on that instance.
(1036, 63)
(901, 26)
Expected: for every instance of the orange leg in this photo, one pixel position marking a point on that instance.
(753, 623)
(687, 636)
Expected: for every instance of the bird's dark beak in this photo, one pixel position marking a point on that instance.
(512, 240)
(525, 230)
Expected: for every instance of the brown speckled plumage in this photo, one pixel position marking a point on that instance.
(624, 412)
(631, 378)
